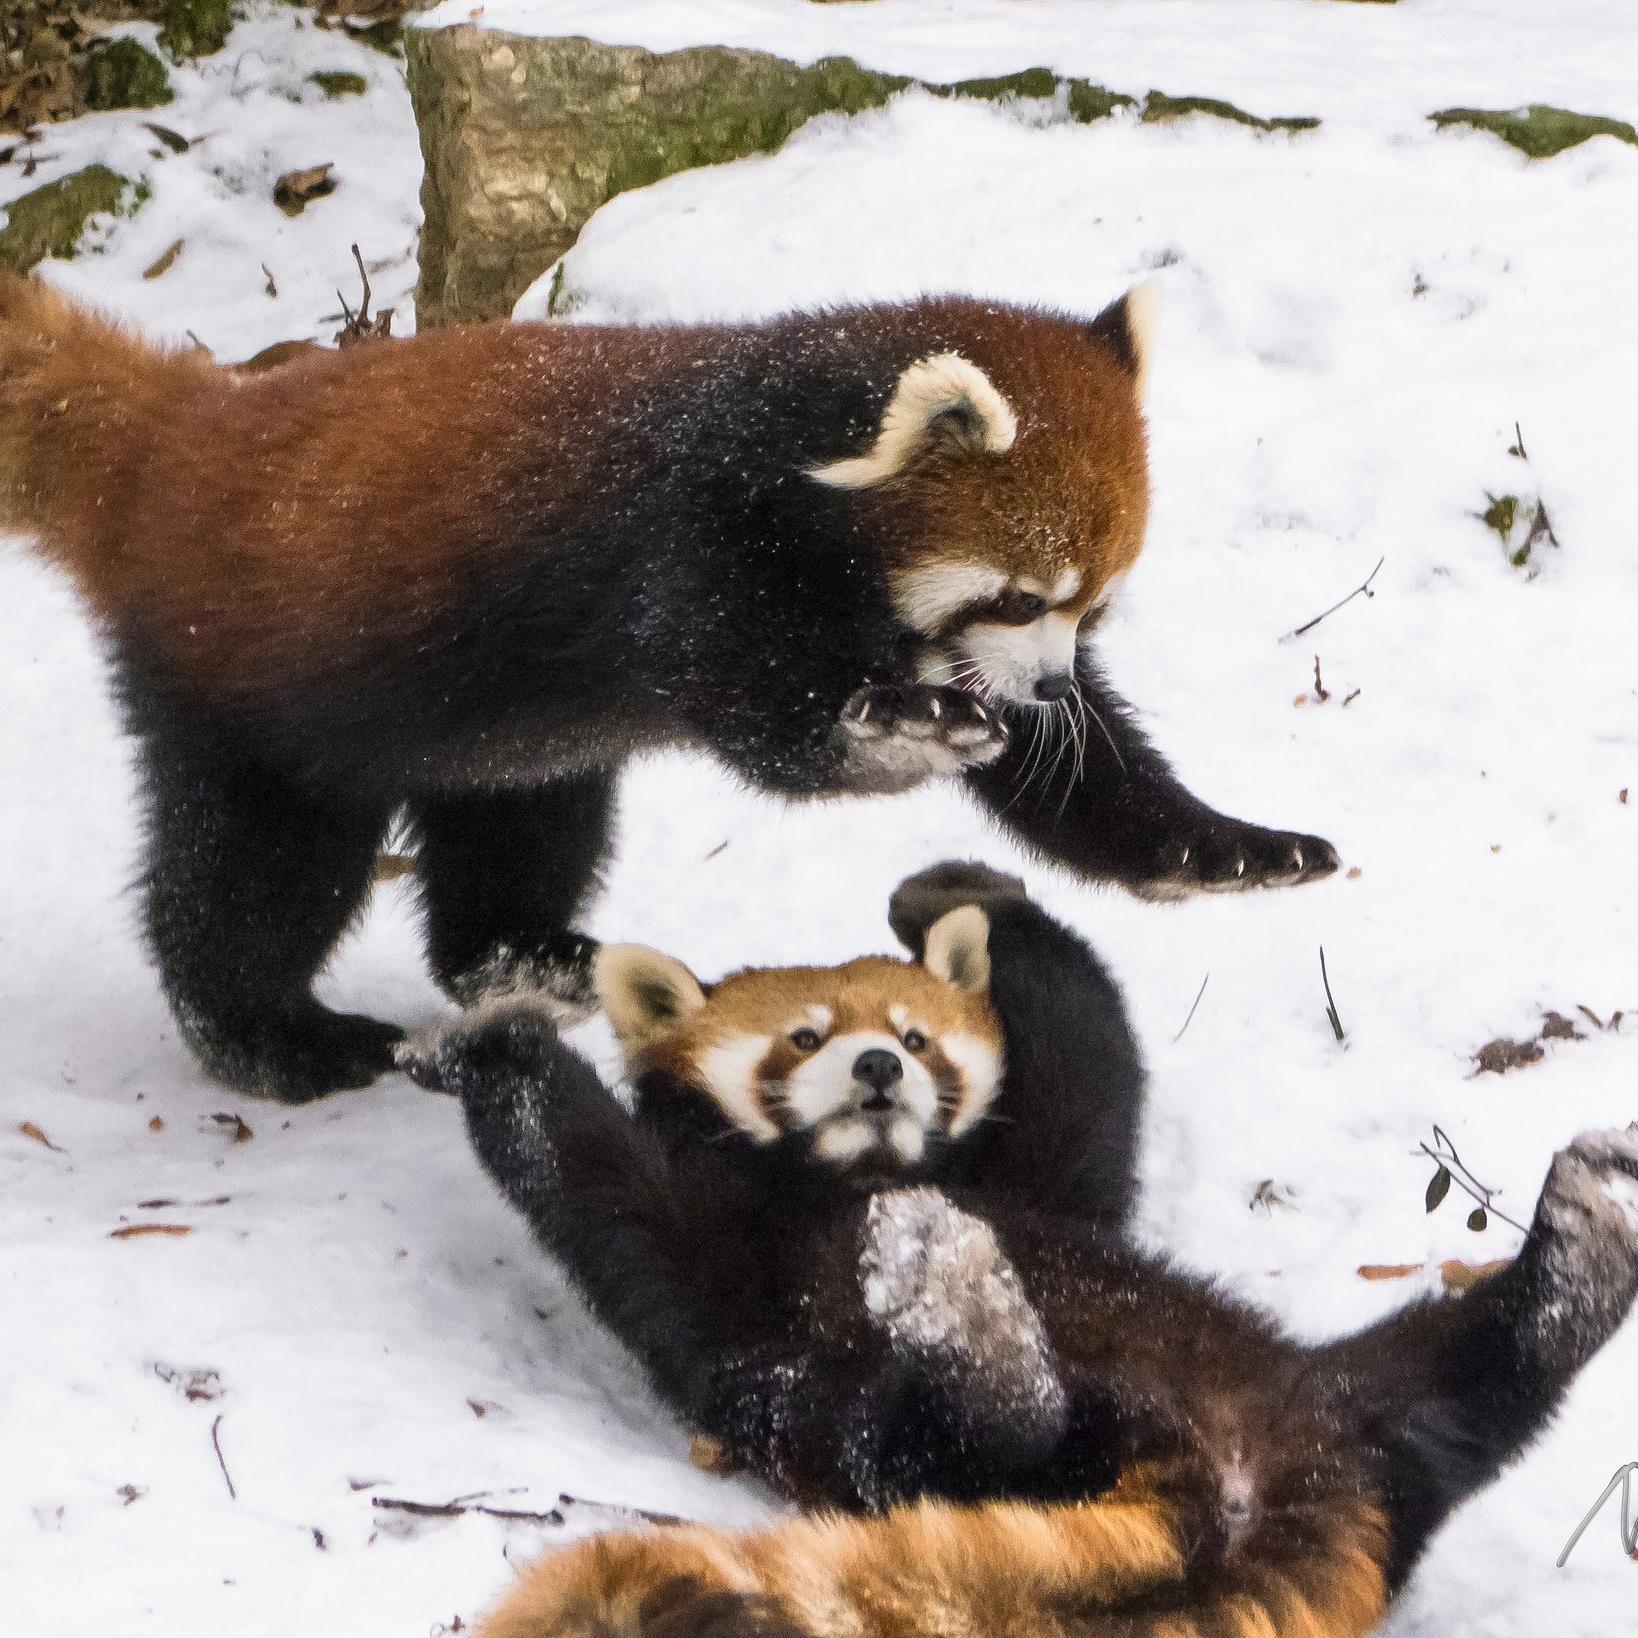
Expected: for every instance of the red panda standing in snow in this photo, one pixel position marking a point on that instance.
(928, 1310)
(461, 579)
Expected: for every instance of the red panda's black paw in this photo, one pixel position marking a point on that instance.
(897, 736)
(505, 1035)
(302, 1056)
(1228, 856)
(920, 900)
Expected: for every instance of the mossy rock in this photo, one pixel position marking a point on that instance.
(525, 137)
(51, 220)
(339, 83)
(195, 28)
(1158, 107)
(1540, 130)
(124, 74)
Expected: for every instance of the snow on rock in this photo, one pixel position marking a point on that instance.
(1356, 320)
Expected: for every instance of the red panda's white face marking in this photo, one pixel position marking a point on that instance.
(866, 1064)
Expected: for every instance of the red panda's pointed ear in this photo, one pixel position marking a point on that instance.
(958, 949)
(644, 993)
(941, 405)
(1127, 327)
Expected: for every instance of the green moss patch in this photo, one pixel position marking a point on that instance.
(1158, 107)
(50, 220)
(339, 83)
(1539, 130)
(195, 28)
(124, 74)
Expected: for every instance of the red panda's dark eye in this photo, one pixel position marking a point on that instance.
(914, 1041)
(806, 1039)
(1021, 608)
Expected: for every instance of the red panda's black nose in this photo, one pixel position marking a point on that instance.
(878, 1069)
(1054, 688)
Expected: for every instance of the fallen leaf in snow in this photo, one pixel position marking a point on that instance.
(174, 140)
(1389, 1271)
(480, 1408)
(1459, 1276)
(192, 1382)
(1498, 1056)
(295, 190)
(129, 1493)
(1556, 1027)
(164, 263)
(133, 1231)
(33, 1132)
(235, 1124)
(156, 1124)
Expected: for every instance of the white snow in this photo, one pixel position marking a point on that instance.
(1356, 319)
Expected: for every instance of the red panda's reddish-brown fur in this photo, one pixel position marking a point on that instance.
(1114, 1568)
(248, 521)
(258, 523)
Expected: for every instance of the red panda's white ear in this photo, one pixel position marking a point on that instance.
(942, 404)
(644, 993)
(1128, 326)
(958, 949)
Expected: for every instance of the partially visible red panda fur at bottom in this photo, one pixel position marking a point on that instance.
(1113, 1568)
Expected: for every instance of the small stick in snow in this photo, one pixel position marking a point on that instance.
(454, 1509)
(221, 1461)
(1321, 692)
(1364, 587)
(1330, 1001)
(1190, 1019)
(642, 1513)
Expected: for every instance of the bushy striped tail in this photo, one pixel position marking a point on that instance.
(1108, 1569)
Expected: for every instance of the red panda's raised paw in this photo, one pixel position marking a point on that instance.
(898, 736)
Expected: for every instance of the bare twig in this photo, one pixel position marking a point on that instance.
(1445, 1156)
(643, 1513)
(1364, 588)
(474, 1503)
(1330, 1001)
(454, 1509)
(1321, 692)
(221, 1460)
(1190, 1019)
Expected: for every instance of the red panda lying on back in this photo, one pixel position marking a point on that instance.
(1061, 1435)
(461, 579)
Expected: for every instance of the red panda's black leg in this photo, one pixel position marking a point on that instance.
(249, 882)
(1083, 786)
(503, 875)
(1065, 1136)
(1452, 1390)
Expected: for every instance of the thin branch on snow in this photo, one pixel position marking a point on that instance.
(1190, 1019)
(221, 1460)
(1363, 588)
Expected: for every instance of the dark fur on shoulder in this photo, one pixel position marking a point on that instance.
(984, 1331)
(461, 579)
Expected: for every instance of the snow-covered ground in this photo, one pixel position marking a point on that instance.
(1356, 320)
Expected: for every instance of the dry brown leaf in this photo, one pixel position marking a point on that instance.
(710, 1457)
(35, 1135)
(163, 264)
(136, 1231)
(389, 867)
(1459, 1276)
(156, 1124)
(1389, 1271)
(295, 190)
(235, 1124)
(1498, 1056)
